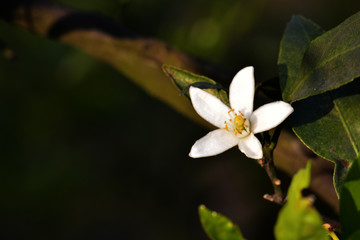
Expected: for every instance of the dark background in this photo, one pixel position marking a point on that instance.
(87, 154)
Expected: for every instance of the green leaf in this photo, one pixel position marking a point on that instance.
(330, 61)
(183, 80)
(329, 123)
(350, 203)
(300, 181)
(297, 36)
(218, 227)
(298, 219)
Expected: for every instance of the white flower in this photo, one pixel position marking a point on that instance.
(237, 125)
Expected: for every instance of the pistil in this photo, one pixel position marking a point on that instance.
(237, 124)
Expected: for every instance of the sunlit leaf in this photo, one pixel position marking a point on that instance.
(329, 125)
(330, 61)
(297, 36)
(298, 219)
(139, 59)
(184, 79)
(218, 227)
(350, 203)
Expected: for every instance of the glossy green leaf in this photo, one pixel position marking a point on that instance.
(183, 80)
(297, 36)
(329, 124)
(218, 227)
(350, 203)
(298, 219)
(331, 60)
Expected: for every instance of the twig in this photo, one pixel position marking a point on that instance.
(267, 162)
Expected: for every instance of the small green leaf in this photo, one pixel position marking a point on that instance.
(218, 227)
(297, 36)
(184, 79)
(329, 123)
(300, 181)
(350, 203)
(330, 61)
(298, 219)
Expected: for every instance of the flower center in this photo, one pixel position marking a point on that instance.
(237, 124)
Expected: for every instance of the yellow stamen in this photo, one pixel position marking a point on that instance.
(237, 123)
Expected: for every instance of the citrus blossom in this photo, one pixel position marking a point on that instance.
(238, 124)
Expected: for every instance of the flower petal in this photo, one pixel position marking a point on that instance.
(251, 147)
(209, 107)
(213, 143)
(241, 91)
(269, 116)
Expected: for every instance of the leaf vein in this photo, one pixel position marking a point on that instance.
(343, 121)
(323, 64)
(337, 32)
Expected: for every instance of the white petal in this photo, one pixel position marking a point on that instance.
(213, 143)
(241, 91)
(209, 107)
(269, 116)
(251, 147)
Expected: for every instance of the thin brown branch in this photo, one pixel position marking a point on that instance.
(268, 164)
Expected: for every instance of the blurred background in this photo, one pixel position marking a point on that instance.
(87, 154)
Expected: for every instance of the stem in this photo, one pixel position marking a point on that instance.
(331, 225)
(331, 231)
(268, 164)
(333, 236)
